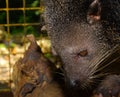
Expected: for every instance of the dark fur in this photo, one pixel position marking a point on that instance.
(110, 87)
(85, 46)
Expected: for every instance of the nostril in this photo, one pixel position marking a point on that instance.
(75, 83)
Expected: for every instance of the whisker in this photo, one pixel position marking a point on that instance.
(62, 69)
(99, 75)
(84, 86)
(96, 82)
(59, 73)
(98, 61)
(104, 58)
(106, 65)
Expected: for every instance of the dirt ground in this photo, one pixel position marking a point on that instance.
(6, 94)
(5, 90)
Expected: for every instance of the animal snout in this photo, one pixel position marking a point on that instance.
(75, 83)
(78, 82)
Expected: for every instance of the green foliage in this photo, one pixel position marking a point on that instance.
(18, 17)
(2, 17)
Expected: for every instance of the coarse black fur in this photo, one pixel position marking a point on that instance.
(109, 87)
(86, 35)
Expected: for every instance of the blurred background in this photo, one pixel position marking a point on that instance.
(17, 19)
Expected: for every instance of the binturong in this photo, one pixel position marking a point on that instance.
(86, 36)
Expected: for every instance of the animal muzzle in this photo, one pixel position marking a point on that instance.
(78, 80)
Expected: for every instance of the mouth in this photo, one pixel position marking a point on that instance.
(83, 83)
(76, 89)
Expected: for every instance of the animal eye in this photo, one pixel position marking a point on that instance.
(83, 53)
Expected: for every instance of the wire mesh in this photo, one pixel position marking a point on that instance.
(8, 53)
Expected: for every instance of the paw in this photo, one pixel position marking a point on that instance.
(110, 87)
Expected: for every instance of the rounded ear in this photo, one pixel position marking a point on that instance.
(94, 12)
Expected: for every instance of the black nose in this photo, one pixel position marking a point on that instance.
(75, 83)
